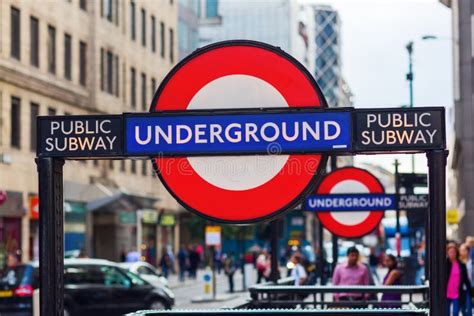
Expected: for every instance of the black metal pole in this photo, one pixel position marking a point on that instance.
(437, 222)
(321, 254)
(51, 236)
(275, 272)
(398, 236)
(410, 78)
(335, 250)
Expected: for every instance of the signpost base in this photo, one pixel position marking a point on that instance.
(437, 230)
(51, 237)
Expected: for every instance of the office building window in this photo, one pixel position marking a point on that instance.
(111, 164)
(34, 112)
(133, 166)
(133, 88)
(15, 35)
(34, 42)
(172, 45)
(116, 76)
(153, 34)
(144, 98)
(116, 12)
(96, 163)
(110, 61)
(133, 30)
(143, 27)
(51, 111)
(15, 123)
(153, 87)
(83, 4)
(82, 63)
(162, 39)
(144, 167)
(67, 56)
(211, 8)
(102, 70)
(107, 9)
(51, 49)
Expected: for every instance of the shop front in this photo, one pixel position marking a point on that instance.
(11, 212)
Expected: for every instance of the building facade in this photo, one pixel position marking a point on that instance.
(81, 57)
(462, 153)
(188, 27)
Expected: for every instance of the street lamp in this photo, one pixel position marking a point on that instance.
(410, 77)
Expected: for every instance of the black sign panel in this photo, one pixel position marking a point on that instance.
(401, 130)
(80, 136)
(413, 201)
(411, 180)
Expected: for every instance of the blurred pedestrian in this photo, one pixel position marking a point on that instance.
(457, 281)
(298, 273)
(373, 263)
(133, 256)
(420, 273)
(263, 266)
(393, 277)
(464, 256)
(352, 272)
(229, 269)
(218, 260)
(194, 260)
(182, 262)
(165, 262)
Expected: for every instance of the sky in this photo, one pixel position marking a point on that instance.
(375, 60)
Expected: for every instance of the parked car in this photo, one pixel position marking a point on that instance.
(91, 287)
(146, 271)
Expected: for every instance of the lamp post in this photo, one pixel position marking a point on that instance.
(410, 77)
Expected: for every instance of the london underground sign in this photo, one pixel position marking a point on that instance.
(238, 132)
(343, 220)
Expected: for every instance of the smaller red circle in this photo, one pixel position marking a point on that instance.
(359, 175)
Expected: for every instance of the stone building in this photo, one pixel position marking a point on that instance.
(83, 57)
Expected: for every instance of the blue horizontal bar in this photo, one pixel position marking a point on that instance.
(259, 133)
(350, 202)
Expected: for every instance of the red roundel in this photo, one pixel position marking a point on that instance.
(238, 74)
(350, 180)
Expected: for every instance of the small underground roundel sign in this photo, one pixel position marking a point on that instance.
(353, 189)
(234, 188)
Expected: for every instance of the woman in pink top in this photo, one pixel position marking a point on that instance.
(457, 278)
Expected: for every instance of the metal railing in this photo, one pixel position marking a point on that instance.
(322, 297)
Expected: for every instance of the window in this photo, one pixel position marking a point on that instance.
(122, 165)
(67, 56)
(162, 39)
(153, 87)
(143, 27)
(51, 111)
(83, 4)
(133, 30)
(171, 45)
(133, 88)
(82, 63)
(211, 9)
(116, 12)
(15, 33)
(51, 49)
(133, 166)
(102, 70)
(144, 98)
(116, 75)
(107, 10)
(15, 123)
(110, 67)
(34, 42)
(111, 164)
(144, 167)
(153, 34)
(34, 112)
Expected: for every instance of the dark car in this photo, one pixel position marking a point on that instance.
(92, 287)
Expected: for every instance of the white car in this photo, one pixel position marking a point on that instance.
(147, 272)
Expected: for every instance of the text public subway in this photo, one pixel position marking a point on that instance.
(79, 135)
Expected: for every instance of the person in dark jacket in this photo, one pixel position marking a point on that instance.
(457, 281)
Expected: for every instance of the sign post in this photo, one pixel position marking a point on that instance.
(213, 240)
(234, 130)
